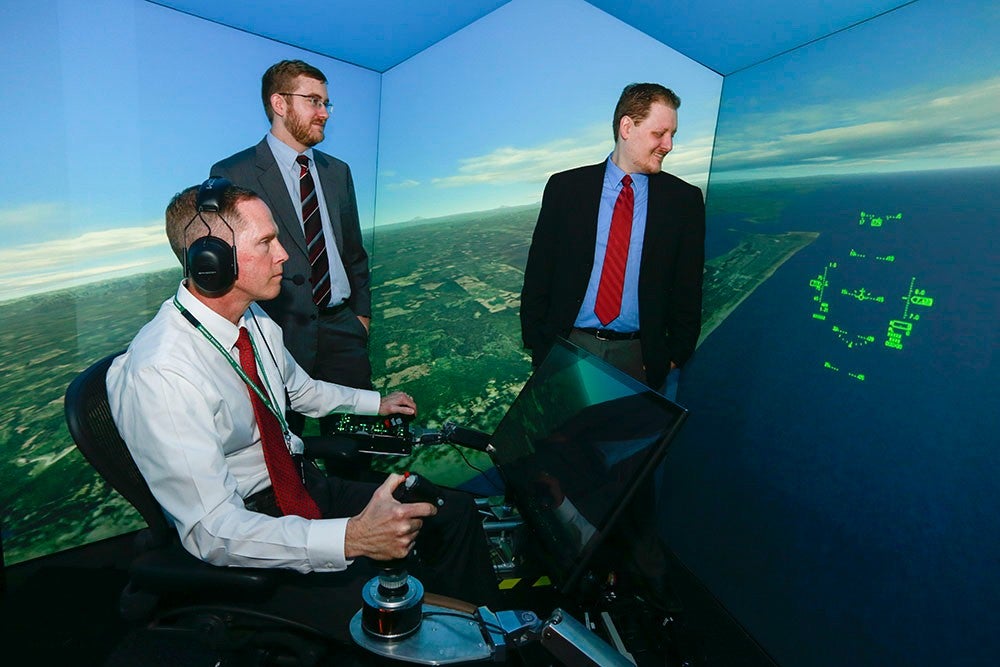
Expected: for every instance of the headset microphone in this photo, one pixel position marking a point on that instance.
(298, 279)
(210, 261)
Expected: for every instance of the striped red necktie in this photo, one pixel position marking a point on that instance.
(312, 226)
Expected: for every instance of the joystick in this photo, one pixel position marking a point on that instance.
(392, 602)
(417, 489)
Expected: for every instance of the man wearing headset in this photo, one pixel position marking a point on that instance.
(183, 401)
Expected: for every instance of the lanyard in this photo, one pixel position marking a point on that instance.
(265, 399)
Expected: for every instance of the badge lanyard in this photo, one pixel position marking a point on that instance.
(265, 399)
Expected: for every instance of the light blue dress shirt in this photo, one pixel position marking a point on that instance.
(628, 318)
(284, 155)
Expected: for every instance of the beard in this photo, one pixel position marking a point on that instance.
(304, 131)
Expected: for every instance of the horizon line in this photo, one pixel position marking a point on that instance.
(7, 300)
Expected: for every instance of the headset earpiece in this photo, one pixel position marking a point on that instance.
(210, 261)
(211, 264)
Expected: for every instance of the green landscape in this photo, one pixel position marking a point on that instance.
(445, 329)
(51, 498)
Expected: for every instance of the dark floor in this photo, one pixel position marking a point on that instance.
(63, 610)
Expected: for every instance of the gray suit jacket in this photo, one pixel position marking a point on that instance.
(256, 169)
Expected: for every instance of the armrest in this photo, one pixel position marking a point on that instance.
(172, 569)
(340, 454)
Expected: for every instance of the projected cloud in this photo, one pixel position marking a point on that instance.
(481, 119)
(913, 129)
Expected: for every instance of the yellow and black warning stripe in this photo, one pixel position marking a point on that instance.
(523, 582)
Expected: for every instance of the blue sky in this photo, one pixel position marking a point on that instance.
(916, 89)
(482, 118)
(123, 103)
(115, 105)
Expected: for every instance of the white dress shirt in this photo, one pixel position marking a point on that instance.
(186, 416)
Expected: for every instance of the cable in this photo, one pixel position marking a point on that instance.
(281, 376)
(479, 470)
(481, 622)
(269, 352)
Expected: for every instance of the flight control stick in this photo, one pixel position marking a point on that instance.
(392, 613)
(392, 602)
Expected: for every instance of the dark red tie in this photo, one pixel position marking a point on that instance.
(312, 225)
(289, 491)
(609, 291)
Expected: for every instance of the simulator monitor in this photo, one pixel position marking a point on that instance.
(576, 451)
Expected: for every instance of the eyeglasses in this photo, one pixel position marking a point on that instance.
(314, 101)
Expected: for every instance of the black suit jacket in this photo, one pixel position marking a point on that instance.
(256, 169)
(561, 259)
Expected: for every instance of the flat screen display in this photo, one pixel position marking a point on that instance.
(576, 451)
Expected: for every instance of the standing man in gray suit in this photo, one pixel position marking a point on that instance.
(324, 307)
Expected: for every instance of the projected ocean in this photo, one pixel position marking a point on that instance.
(846, 411)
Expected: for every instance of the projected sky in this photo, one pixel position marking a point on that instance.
(478, 121)
(832, 109)
(122, 106)
(482, 119)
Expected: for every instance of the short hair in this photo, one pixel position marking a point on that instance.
(281, 76)
(637, 98)
(183, 208)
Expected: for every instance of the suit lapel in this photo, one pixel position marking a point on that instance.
(331, 195)
(273, 189)
(658, 215)
(592, 186)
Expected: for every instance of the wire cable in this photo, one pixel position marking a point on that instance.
(479, 470)
(468, 617)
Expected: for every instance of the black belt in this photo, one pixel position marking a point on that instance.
(608, 334)
(333, 310)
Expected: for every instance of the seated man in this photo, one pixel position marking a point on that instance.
(200, 396)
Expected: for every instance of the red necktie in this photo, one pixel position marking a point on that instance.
(609, 291)
(312, 226)
(289, 491)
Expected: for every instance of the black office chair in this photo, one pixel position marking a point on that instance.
(168, 588)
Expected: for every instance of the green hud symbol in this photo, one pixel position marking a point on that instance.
(862, 305)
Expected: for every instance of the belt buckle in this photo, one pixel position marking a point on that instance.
(599, 335)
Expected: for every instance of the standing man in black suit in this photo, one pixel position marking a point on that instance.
(618, 252)
(324, 307)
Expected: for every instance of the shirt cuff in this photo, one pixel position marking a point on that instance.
(368, 402)
(325, 545)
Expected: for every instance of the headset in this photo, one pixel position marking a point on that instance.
(209, 261)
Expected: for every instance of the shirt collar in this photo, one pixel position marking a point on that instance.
(222, 329)
(284, 154)
(613, 175)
